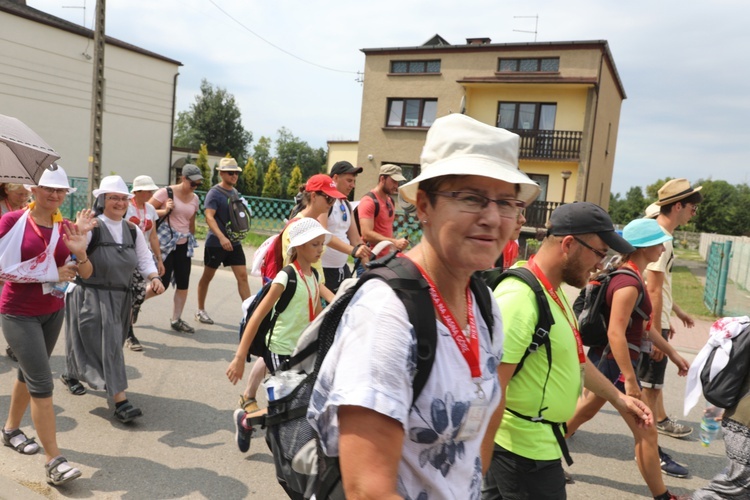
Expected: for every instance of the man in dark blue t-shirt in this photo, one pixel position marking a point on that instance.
(220, 249)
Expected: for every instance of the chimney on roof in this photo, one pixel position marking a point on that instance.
(478, 41)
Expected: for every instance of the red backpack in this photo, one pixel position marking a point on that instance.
(273, 260)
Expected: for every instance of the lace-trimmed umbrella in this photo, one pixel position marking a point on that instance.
(23, 154)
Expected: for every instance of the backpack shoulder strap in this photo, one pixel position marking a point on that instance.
(484, 300)
(413, 290)
(288, 293)
(544, 322)
(639, 300)
(375, 201)
(170, 193)
(96, 235)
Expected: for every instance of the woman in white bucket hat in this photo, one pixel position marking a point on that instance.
(143, 214)
(32, 312)
(99, 307)
(467, 198)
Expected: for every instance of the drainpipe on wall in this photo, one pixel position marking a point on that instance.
(593, 128)
(171, 128)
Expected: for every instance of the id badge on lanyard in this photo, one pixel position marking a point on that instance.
(475, 416)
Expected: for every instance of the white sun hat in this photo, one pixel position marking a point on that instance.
(304, 230)
(112, 184)
(57, 179)
(652, 211)
(143, 183)
(459, 145)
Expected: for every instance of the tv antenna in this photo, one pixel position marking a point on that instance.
(536, 24)
(83, 7)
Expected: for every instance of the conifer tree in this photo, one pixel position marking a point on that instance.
(295, 179)
(272, 181)
(202, 163)
(250, 178)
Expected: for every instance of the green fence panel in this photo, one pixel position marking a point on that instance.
(714, 294)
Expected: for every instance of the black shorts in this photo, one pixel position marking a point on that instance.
(179, 263)
(513, 477)
(651, 373)
(214, 256)
(335, 275)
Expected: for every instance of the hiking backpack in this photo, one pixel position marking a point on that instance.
(259, 346)
(593, 313)
(238, 224)
(301, 467)
(723, 389)
(355, 212)
(268, 259)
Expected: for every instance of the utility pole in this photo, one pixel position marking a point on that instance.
(97, 101)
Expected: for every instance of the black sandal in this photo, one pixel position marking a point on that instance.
(127, 413)
(20, 447)
(75, 387)
(56, 476)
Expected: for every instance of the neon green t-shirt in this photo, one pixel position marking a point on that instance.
(519, 310)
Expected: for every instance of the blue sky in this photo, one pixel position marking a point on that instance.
(683, 64)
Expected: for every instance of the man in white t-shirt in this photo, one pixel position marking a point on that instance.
(338, 221)
(678, 203)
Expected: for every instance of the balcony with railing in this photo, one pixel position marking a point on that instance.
(537, 214)
(550, 144)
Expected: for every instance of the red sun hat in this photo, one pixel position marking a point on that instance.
(323, 183)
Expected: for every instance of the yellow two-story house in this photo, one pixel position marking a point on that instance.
(562, 98)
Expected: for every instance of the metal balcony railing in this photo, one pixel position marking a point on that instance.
(550, 144)
(537, 214)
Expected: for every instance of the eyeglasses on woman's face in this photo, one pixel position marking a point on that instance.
(117, 199)
(474, 203)
(50, 190)
(196, 184)
(329, 199)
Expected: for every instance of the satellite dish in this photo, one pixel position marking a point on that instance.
(405, 205)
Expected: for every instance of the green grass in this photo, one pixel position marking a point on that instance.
(687, 254)
(687, 291)
(252, 239)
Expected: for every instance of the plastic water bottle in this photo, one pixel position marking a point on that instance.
(710, 427)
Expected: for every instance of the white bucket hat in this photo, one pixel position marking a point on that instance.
(652, 211)
(143, 183)
(57, 179)
(112, 184)
(304, 230)
(459, 145)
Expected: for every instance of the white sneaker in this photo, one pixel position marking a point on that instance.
(203, 317)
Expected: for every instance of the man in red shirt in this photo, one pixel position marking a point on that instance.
(376, 220)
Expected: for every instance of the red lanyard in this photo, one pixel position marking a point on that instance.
(311, 308)
(553, 293)
(469, 350)
(38, 231)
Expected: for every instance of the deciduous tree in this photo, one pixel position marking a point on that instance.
(213, 119)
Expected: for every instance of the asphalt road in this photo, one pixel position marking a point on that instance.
(183, 446)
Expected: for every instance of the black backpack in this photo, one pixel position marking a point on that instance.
(593, 313)
(259, 346)
(288, 430)
(375, 214)
(161, 220)
(96, 236)
(238, 224)
(724, 389)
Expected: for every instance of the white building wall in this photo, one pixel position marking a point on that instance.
(45, 81)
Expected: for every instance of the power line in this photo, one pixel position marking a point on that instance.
(276, 46)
